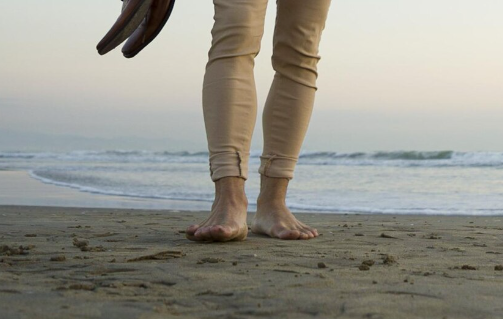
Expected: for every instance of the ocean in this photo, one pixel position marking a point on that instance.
(400, 182)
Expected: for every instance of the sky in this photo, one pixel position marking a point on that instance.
(393, 75)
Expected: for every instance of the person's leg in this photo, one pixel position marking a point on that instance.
(230, 109)
(299, 24)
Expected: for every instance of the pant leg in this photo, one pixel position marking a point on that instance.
(229, 95)
(288, 108)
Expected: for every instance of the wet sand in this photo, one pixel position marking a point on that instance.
(120, 263)
(17, 188)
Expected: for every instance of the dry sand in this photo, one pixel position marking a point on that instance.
(117, 263)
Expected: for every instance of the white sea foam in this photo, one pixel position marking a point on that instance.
(102, 191)
(394, 158)
(397, 211)
(326, 207)
(365, 182)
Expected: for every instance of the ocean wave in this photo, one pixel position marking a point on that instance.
(380, 158)
(299, 207)
(393, 155)
(17, 155)
(394, 211)
(405, 158)
(97, 190)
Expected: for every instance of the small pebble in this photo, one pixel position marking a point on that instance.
(369, 262)
(364, 267)
(389, 260)
(322, 265)
(58, 258)
(468, 267)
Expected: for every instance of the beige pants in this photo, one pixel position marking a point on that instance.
(229, 95)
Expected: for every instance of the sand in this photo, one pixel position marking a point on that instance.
(118, 263)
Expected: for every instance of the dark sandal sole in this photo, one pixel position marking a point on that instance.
(115, 37)
(133, 53)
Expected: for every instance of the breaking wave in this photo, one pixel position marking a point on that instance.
(381, 158)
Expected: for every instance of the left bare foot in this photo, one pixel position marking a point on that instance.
(273, 218)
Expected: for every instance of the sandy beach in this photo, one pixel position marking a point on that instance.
(378, 123)
(120, 263)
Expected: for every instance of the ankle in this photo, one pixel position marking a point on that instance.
(233, 201)
(231, 190)
(272, 191)
(270, 200)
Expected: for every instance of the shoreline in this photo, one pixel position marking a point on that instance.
(19, 188)
(126, 263)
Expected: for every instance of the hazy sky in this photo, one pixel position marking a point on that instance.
(394, 74)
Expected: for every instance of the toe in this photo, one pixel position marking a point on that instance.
(304, 235)
(310, 232)
(203, 233)
(289, 234)
(221, 233)
(191, 230)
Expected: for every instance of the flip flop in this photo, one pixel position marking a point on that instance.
(154, 21)
(133, 13)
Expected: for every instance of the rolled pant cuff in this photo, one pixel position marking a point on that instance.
(229, 164)
(277, 166)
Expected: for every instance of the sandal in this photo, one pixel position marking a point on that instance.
(140, 21)
(154, 21)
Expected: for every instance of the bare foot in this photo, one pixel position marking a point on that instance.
(273, 218)
(227, 220)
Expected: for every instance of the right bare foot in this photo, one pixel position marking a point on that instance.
(227, 220)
